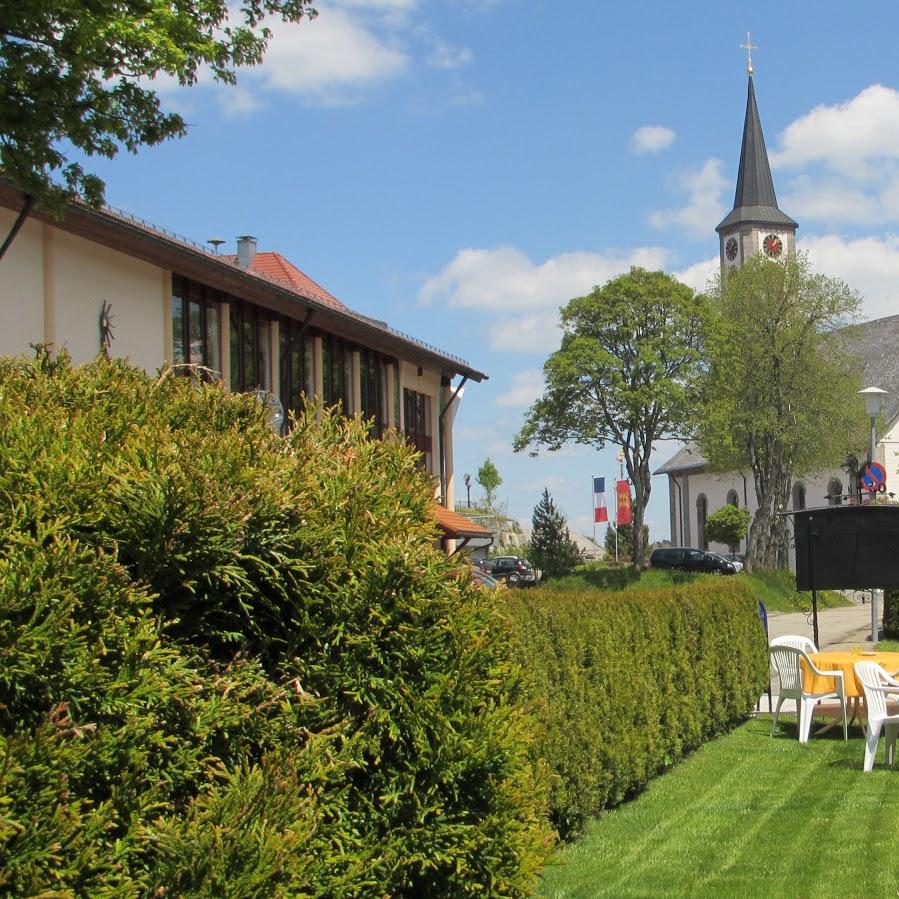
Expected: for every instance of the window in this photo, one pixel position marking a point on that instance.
(250, 347)
(295, 364)
(196, 324)
(702, 514)
(417, 418)
(373, 371)
(834, 492)
(798, 497)
(732, 498)
(336, 372)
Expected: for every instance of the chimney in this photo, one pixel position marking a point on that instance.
(246, 250)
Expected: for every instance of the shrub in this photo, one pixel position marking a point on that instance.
(727, 525)
(624, 684)
(234, 664)
(891, 613)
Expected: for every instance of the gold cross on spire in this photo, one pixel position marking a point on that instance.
(748, 47)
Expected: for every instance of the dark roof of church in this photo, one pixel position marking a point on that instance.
(754, 200)
(874, 342)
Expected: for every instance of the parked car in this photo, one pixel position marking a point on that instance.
(738, 559)
(516, 572)
(482, 579)
(699, 560)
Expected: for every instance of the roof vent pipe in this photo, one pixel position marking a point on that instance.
(246, 250)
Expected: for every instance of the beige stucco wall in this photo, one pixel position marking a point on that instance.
(428, 383)
(21, 287)
(53, 285)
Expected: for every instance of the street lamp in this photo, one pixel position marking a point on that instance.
(468, 488)
(873, 400)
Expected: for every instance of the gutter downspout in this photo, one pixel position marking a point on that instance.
(440, 432)
(17, 225)
(680, 507)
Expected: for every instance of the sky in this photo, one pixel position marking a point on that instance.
(463, 168)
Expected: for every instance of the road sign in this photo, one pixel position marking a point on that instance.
(874, 477)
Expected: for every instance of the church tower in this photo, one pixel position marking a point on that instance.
(755, 224)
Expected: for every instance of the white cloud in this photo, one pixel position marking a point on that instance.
(442, 56)
(699, 274)
(847, 137)
(506, 279)
(329, 59)
(652, 138)
(526, 387)
(704, 208)
(869, 265)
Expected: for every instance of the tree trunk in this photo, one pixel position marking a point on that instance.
(769, 537)
(641, 479)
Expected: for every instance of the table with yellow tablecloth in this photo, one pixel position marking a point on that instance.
(844, 660)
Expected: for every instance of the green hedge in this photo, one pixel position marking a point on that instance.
(624, 684)
(891, 613)
(235, 665)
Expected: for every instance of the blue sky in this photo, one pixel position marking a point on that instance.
(462, 169)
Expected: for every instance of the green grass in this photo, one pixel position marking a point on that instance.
(777, 589)
(747, 815)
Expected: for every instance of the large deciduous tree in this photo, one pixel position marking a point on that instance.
(779, 396)
(77, 75)
(624, 375)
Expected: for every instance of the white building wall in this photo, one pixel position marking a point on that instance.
(21, 287)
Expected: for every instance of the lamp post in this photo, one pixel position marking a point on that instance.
(468, 488)
(873, 400)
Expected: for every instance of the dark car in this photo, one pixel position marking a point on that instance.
(516, 572)
(698, 560)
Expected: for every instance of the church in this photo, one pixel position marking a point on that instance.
(756, 224)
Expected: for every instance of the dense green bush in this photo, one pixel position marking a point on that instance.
(891, 613)
(233, 664)
(624, 684)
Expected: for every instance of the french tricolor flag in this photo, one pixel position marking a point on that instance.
(600, 513)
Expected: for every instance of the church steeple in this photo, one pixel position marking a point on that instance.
(756, 223)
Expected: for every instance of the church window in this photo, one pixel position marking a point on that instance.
(732, 498)
(834, 492)
(702, 514)
(798, 497)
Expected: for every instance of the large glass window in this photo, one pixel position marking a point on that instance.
(196, 324)
(250, 347)
(295, 361)
(417, 417)
(374, 381)
(336, 372)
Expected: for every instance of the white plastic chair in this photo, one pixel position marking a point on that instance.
(877, 684)
(804, 643)
(788, 660)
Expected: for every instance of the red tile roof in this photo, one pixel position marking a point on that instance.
(275, 266)
(455, 525)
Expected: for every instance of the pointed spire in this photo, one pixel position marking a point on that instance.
(754, 200)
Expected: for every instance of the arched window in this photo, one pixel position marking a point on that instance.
(702, 514)
(733, 498)
(798, 496)
(834, 492)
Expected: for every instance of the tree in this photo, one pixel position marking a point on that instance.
(728, 525)
(779, 396)
(74, 76)
(489, 479)
(625, 542)
(624, 375)
(552, 549)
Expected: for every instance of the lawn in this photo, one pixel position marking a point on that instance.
(747, 815)
(777, 589)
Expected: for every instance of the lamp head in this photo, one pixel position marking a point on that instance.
(873, 399)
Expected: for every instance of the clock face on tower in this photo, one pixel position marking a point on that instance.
(773, 246)
(730, 248)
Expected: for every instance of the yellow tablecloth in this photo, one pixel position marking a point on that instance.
(844, 661)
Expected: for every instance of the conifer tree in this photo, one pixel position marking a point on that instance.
(552, 549)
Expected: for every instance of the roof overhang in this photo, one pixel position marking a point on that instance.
(142, 241)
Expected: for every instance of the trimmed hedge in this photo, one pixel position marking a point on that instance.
(624, 684)
(891, 613)
(233, 664)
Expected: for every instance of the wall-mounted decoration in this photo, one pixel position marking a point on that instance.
(105, 327)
